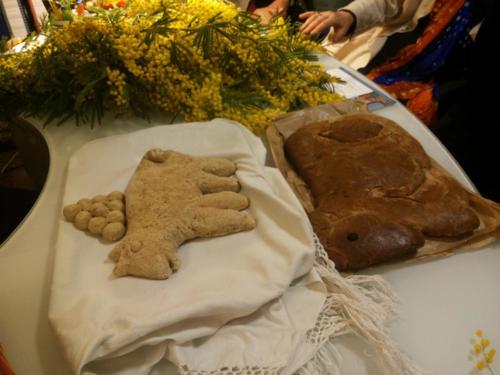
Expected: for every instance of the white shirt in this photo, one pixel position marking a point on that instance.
(374, 12)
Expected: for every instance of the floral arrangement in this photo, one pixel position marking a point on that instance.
(199, 59)
(484, 354)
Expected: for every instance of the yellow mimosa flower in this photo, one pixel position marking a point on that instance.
(480, 365)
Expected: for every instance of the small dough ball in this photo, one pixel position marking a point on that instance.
(113, 231)
(70, 211)
(99, 198)
(116, 195)
(99, 209)
(84, 204)
(115, 217)
(96, 225)
(116, 205)
(82, 219)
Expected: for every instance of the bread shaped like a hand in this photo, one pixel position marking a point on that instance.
(173, 198)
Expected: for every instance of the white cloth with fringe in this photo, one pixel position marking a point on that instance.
(266, 301)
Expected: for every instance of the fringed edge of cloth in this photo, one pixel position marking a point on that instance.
(362, 305)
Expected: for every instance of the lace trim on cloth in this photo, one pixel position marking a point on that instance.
(328, 322)
(333, 320)
(229, 370)
(357, 304)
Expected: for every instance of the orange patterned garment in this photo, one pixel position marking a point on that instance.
(406, 85)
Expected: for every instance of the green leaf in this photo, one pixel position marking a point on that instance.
(243, 99)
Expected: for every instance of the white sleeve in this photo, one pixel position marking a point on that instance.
(371, 13)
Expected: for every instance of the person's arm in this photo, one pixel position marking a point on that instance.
(267, 12)
(343, 22)
(354, 18)
(371, 13)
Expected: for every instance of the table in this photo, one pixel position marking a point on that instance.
(444, 300)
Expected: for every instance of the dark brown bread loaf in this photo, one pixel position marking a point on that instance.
(377, 195)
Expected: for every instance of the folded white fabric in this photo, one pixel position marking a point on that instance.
(132, 320)
(267, 301)
(273, 340)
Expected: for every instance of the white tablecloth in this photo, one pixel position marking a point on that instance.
(443, 301)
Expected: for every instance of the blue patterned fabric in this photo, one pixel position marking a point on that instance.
(421, 68)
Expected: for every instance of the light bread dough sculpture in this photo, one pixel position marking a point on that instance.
(101, 215)
(172, 198)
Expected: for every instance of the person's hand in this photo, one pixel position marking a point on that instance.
(265, 14)
(315, 22)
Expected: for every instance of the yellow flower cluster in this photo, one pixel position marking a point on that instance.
(15, 73)
(484, 353)
(200, 59)
(116, 81)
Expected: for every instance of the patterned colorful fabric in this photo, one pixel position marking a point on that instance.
(408, 75)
